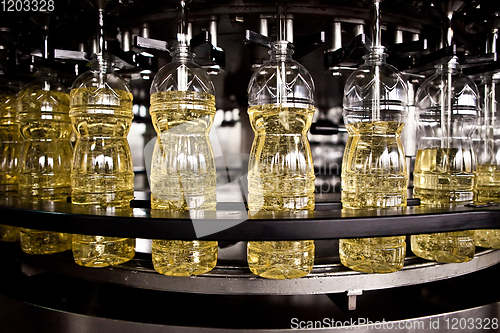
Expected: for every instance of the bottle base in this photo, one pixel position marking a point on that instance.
(184, 258)
(99, 251)
(55, 194)
(281, 260)
(44, 242)
(447, 247)
(118, 199)
(373, 255)
(487, 238)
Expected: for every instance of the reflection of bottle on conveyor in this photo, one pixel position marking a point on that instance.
(374, 172)
(445, 163)
(9, 153)
(45, 160)
(281, 175)
(183, 175)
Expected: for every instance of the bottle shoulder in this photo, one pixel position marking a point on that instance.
(93, 80)
(276, 82)
(93, 88)
(35, 99)
(182, 76)
(462, 91)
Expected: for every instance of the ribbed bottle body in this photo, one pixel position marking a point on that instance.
(281, 173)
(281, 178)
(11, 143)
(447, 112)
(45, 157)
(183, 175)
(374, 172)
(102, 175)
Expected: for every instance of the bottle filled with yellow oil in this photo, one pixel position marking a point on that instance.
(446, 161)
(183, 174)
(45, 159)
(280, 172)
(487, 190)
(102, 175)
(487, 147)
(9, 152)
(374, 171)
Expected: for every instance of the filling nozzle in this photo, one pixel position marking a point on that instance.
(376, 28)
(281, 19)
(182, 25)
(376, 49)
(181, 52)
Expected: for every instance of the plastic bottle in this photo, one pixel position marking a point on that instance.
(447, 111)
(374, 171)
(487, 186)
(183, 175)
(45, 159)
(280, 172)
(9, 153)
(102, 174)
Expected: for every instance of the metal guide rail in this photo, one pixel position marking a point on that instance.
(233, 278)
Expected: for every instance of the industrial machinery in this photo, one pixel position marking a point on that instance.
(231, 40)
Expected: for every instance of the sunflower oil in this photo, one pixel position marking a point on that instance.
(9, 153)
(102, 174)
(487, 190)
(45, 159)
(444, 177)
(281, 178)
(183, 175)
(374, 176)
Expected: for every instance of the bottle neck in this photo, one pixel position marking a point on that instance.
(46, 78)
(377, 56)
(182, 54)
(452, 66)
(280, 51)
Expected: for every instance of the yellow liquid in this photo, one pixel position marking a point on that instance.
(102, 173)
(44, 242)
(184, 258)
(98, 251)
(444, 177)
(10, 144)
(374, 176)
(45, 161)
(183, 176)
(9, 151)
(487, 190)
(9, 233)
(281, 178)
(449, 247)
(487, 238)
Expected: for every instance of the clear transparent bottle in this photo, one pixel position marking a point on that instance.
(487, 147)
(183, 174)
(102, 174)
(280, 172)
(10, 142)
(447, 112)
(374, 171)
(45, 158)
